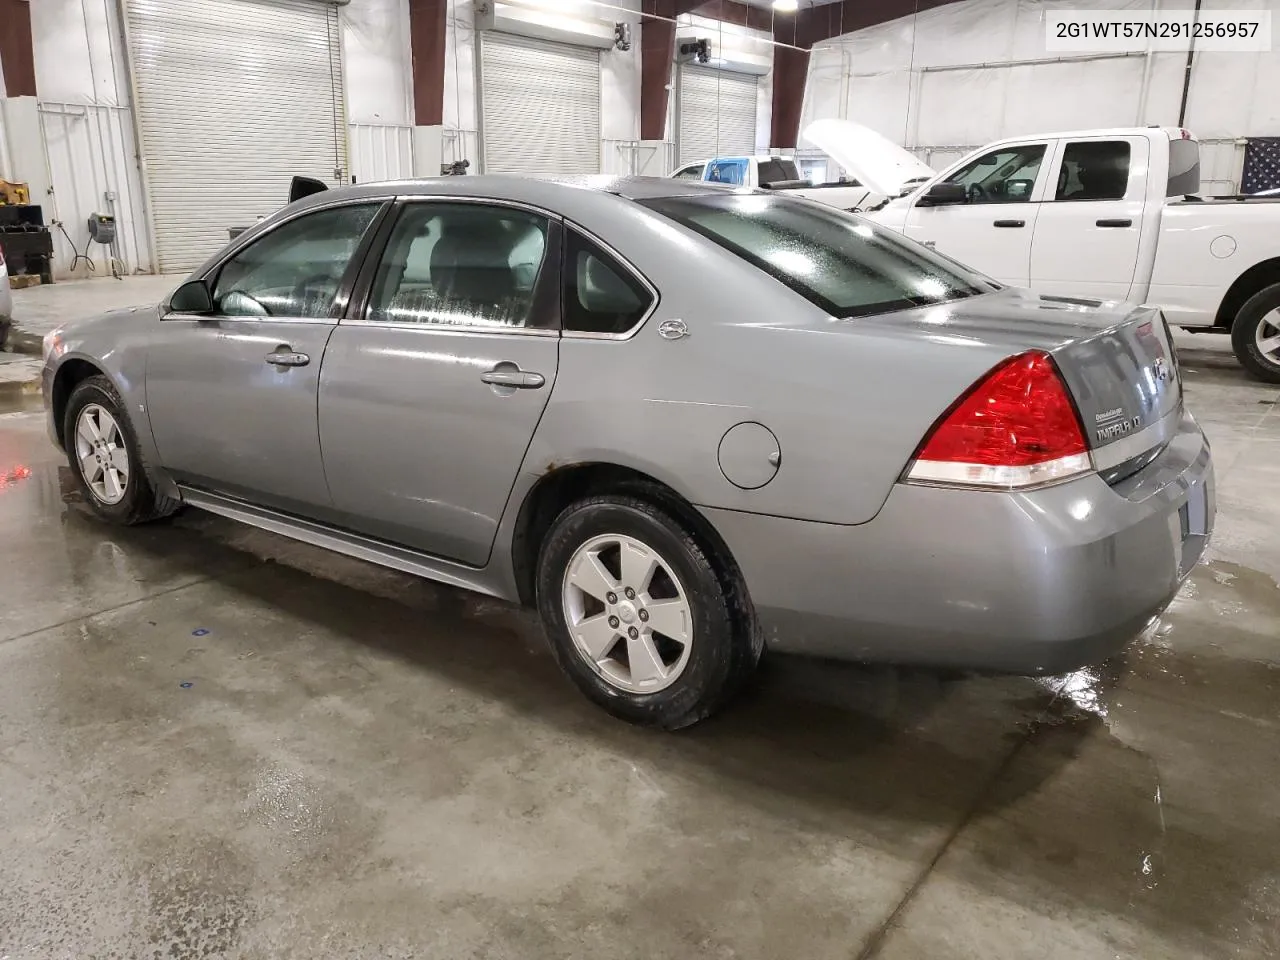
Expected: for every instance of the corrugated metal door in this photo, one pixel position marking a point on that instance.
(235, 97)
(717, 114)
(540, 106)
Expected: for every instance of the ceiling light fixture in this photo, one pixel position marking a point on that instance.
(786, 6)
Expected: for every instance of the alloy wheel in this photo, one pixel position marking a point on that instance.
(1267, 336)
(101, 453)
(628, 613)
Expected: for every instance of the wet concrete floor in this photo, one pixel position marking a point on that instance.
(218, 743)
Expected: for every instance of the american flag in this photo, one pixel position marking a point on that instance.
(1261, 165)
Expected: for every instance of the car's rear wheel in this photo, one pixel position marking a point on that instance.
(1255, 334)
(102, 450)
(637, 615)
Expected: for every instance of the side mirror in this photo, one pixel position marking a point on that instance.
(941, 194)
(192, 297)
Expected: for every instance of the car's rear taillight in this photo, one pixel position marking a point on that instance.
(1016, 427)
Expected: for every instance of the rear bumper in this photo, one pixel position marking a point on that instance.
(1037, 582)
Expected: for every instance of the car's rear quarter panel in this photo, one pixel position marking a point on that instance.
(847, 405)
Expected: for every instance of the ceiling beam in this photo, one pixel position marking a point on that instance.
(17, 55)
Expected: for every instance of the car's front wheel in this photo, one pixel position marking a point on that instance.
(637, 615)
(102, 451)
(1255, 334)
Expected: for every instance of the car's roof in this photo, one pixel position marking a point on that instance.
(545, 191)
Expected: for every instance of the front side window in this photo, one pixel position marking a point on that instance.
(839, 262)
(295, 270)
(1006, 175)
(460, 264)
(1094, 170)
(601, 295)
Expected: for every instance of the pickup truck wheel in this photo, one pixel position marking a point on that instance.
(1255, 334)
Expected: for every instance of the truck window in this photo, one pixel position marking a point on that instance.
(727, 171)
(1005, 175)
(691, 172)
(1094, 170)
(1184, 168)
(778, 171)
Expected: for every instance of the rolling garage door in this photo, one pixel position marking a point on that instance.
(234, 98)
(540, 109)
(717, 114)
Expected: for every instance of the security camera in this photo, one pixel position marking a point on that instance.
(693, 50)
(622, 36)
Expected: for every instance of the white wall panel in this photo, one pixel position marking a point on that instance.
(78, 54)
(377, 61)
(93, 169)
(381, 151)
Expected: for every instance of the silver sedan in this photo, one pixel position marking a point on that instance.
(686, 422)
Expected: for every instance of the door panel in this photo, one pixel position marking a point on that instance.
(227, 419)
(428, 401)
(991, 232)
(1086, 237)
(419, 449)
(232, 396)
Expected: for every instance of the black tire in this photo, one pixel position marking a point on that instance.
(725, 649)
(140, 502)
(1244, 330)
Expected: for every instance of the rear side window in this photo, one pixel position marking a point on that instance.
(839, 262)
(777, 171)
(693, 172)
(1184, 168)
(601, 295)
(1094, 170)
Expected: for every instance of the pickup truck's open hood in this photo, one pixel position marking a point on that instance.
(873, 160)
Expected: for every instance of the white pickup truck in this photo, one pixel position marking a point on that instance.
(1100, 214)
(779, 173)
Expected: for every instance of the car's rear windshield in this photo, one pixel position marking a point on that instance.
(841, 263)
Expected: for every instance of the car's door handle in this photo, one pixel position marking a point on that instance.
(284, 357)
(512, 376)
(1122, 222)
(1010, 223)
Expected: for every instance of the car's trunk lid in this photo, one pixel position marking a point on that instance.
(1126, 384)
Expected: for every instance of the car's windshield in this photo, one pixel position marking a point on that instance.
(841, 263)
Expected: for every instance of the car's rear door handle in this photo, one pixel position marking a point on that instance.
(1010, 223)
(284, 357)
(1120, 222)
(510, 375)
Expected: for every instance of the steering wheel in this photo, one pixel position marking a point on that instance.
(977, 193)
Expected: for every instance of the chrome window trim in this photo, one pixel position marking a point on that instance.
(655, 296)
(428, 326)
(220, 318)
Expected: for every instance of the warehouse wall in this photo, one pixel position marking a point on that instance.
(379, 76)
(90, 152)
(938, 83)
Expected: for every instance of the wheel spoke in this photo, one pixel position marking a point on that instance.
(110, 431)
(120, 461)
(638, 566)
(111, 483)
(1270, 345)
(669, 618)
(88, 430)
(596, 636)
(591, 577)
(643, 658)
(89, 465)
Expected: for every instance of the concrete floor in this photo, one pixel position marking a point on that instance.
(217, 743)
